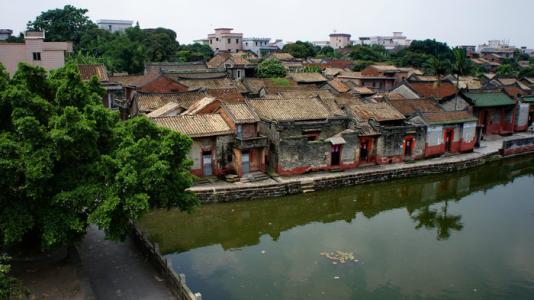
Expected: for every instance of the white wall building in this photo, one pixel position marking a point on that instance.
(5, 34)
(389, 42)
(225, 40)
(114, 25)
(258, 45)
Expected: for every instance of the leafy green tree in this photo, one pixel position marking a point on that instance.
(312, 69)
(438, 66)
(301, 49)
(67, 161)
(526, 72)
(328, 52)
(506, 70)
(407, 58)
(368, 53)
(194, 52)
(431, 47)
(63, 24)
(361, 64)
(271, 68)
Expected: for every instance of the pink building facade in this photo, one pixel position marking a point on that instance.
(34, 51)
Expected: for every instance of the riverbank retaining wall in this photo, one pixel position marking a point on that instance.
(176, 282)
(228, 194)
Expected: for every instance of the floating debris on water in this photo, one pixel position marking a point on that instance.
(263, 251)
(339, 256)
(336, 277)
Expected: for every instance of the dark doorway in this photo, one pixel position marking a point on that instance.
(449, 136)
(207, 168)
(245, 162)
(408, 143)
(364, 152)
(484, 121)
(336, 155)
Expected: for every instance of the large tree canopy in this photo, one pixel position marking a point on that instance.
(66, 161)
(301, 49)
(63, 24)
(120, 51)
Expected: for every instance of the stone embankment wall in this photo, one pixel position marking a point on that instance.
(228, 194)
(175, 281)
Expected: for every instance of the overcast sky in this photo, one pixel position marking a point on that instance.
(454, 21)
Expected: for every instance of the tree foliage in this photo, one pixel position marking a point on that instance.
(63, 24)
(301, 49)
(66, 161)
(120, 51)
(271, 68)
(368, 53)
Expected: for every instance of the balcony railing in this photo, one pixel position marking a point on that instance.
(251, 142)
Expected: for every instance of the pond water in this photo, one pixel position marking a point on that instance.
(463, 235)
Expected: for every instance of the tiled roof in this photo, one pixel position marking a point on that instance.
(197, 106)
(148, 102)
(332, 71)
(221, 59)
(432, 89)
(350, 75)
(136, 80)
(514, 91)
(196, 125)
(290, 109)
(227, 95)
(339, 63)
(87, 71)
(165, 109)
(254, 85)
(448, 117)
(241, 113)
(488, 98)
(283, 56)
(339, 86)
(529, 79)
(385, 68)
(211, 74)
(311, 77)
(214, 84)
(363, 90)
(378, 111)
(410, 107)
(165, 67)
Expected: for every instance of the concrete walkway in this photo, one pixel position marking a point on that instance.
(118, 270)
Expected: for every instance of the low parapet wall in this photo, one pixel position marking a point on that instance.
(175, 281)
(517, 146)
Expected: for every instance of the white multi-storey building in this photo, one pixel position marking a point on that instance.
(114, 25)
(389, 42)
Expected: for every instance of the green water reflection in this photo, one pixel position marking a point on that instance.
(464, 235)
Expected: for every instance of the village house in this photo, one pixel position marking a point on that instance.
(305, 135)
(34, 51)
(447, 132)
(494, 110)
(260, 46)
(211, 136)
(145, 103)
(530, 101)
(386, 136)
(236, 65)
(148, 83)
(115, 97)
(225, 40)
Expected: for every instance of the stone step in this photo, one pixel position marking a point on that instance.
(304, 191)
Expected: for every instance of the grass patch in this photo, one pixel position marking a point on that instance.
(280, 82)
